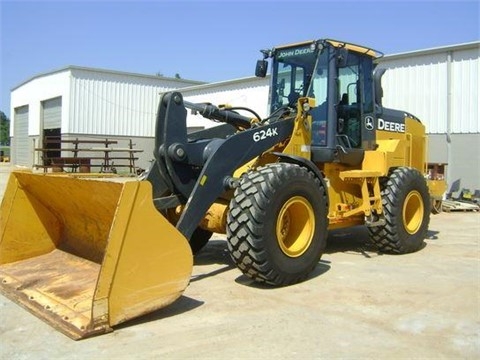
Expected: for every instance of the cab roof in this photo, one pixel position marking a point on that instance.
(337, 43)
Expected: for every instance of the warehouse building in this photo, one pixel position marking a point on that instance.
(87, 104)
(440, 86)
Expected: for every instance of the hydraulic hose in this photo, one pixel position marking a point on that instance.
(214, 113)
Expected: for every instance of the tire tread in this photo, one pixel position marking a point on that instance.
(248, 209)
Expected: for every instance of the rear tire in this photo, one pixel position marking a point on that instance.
(406, 206)
(277, 224)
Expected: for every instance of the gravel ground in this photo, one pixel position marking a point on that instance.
(357, 304)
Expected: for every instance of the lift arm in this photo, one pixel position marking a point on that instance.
(198, 172)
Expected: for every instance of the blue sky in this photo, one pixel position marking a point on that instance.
(209, 40)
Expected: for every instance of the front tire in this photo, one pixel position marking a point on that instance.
(406, 206)
(277, 224)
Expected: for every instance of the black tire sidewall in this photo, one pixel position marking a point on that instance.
(412, 180)
(252, 223)
(282, 263)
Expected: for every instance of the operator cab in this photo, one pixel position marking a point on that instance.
(339, 76)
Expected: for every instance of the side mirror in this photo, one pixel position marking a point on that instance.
(261, 68)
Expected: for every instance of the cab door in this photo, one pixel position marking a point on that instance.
(355, 107)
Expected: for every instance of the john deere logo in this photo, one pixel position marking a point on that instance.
(294, 52)
(369, 123)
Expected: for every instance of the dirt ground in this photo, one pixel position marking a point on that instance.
(357, 304)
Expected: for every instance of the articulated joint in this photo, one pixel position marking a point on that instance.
(177, 152)
(230, 183)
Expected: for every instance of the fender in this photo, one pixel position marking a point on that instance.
(292, 159)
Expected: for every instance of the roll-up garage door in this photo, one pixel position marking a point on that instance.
(52, 122)
(52, 113)
(21, 144)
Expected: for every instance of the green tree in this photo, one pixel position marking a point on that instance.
(4, 129)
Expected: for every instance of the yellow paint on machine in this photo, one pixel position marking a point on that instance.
(87, 254)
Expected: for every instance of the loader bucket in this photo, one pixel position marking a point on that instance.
(85, 254)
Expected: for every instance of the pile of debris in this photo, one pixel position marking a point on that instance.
(466, 201)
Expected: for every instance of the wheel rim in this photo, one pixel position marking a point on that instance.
(295, 226)
(413, 212)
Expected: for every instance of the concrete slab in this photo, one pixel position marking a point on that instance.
(357, 304)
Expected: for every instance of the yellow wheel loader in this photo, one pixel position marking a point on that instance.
(85, 252)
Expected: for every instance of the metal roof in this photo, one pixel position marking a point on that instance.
(114, 72)
(462, 46)
(435, 50)
(194, 85)
(225, 83)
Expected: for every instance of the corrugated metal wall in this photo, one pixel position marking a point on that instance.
(418, 85)
(36, 91)
(249, 92)
(114, 104)
(438, 86)
(465, 91)
(441, 87)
